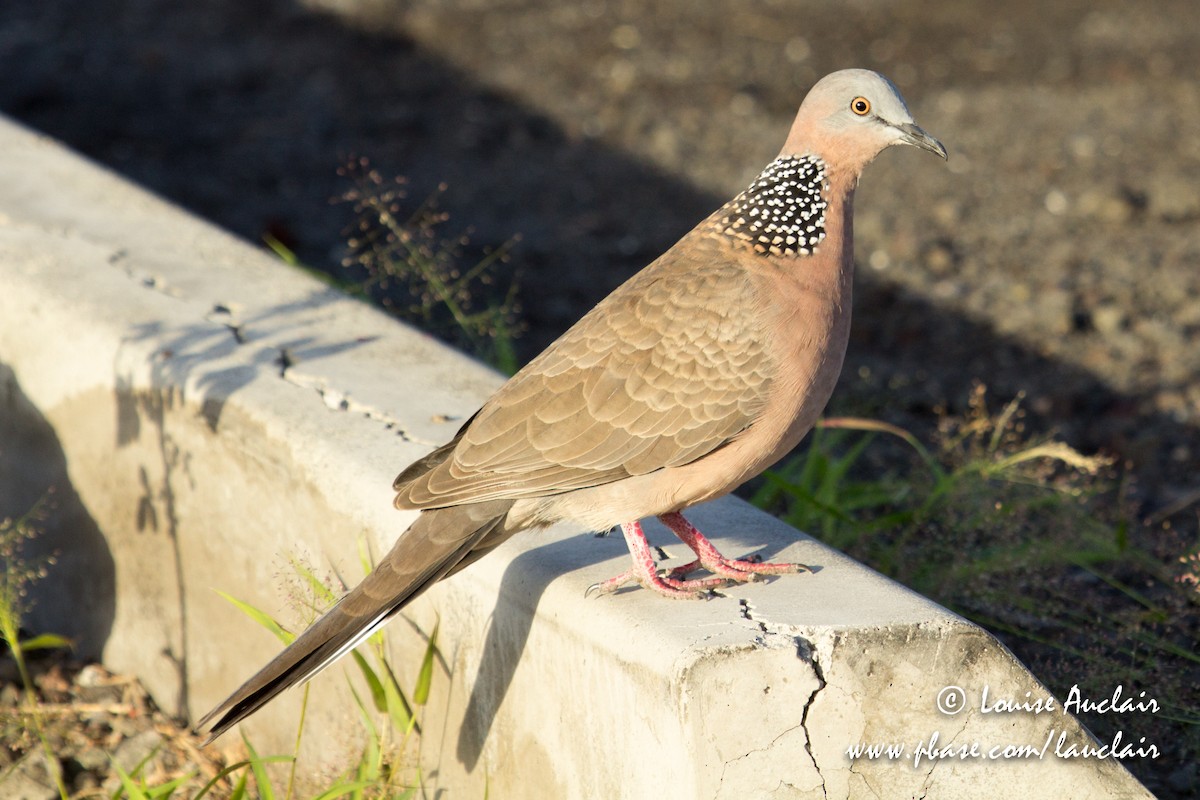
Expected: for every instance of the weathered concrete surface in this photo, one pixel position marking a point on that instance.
(204, 413)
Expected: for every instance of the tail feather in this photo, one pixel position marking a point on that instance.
(431, 548)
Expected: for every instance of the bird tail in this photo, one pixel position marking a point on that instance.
(430, 549)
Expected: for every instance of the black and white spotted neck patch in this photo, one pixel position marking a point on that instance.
(783, 212)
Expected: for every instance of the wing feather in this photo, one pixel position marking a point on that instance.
(667, 369)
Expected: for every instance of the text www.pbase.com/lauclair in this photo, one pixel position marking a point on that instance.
(1058, 743)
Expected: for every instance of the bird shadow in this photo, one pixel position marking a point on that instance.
(522, 586)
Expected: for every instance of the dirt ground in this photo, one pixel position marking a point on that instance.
(1056, 254)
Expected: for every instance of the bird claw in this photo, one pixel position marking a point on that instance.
(739, 570)
(597, 589)
(709, 558)
(661, 583)
(674, 582)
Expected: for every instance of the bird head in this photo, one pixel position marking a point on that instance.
(850, 116)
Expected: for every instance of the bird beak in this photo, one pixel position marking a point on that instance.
(911, 134)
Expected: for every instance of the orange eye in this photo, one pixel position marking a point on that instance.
(860, 106)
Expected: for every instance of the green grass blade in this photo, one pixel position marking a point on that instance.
(325, 596)
(378, 695)
(132, 790)
(343, 789)
(280, 249)
(259, 766)
(47, 641)
(239, 791)
(261, 617)
(371, 761)
(425, 676)
(228, 770)
(399, 709)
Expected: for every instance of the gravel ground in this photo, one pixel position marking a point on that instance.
(94, 721)
(1057, 254)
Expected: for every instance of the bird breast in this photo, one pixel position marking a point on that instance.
(802, 314)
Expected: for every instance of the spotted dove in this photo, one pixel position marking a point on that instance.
(692, 377)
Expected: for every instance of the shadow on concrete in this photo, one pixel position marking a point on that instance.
(192, 355)
(521, 588)
(191, 367)
(77, 596)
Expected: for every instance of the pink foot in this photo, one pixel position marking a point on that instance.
(674, 583)
(708, 557)
(645, 572)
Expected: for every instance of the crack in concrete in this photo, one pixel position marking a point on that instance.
(121, 259)
(806, 650)
(337, 400)
(866, 784)
(225, 316)
(934, 762)
(747, 612)
(725, 766)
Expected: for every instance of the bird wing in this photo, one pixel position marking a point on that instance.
(667, 369)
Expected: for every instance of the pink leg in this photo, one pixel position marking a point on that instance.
(645, 572)
(708, 557)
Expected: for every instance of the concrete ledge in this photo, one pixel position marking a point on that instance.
(142, 373)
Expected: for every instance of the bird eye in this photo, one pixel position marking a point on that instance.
(860, 106)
